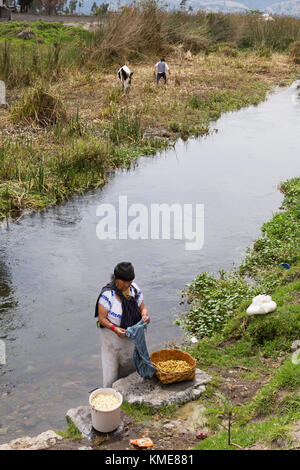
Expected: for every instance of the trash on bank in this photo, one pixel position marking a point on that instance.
(261, 304)
(142, 442)
(200, 434)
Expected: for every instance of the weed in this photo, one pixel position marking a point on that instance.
(174, 126)
(125, 125)
(39, 106)
(71, 432)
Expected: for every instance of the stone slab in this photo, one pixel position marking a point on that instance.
(152, 392)
(81, 417)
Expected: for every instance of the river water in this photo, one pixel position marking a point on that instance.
(52, 263)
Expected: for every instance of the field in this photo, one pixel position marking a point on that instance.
(67, 122)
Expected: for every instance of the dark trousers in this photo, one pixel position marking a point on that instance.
(161, 75)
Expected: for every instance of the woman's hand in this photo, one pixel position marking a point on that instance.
(145, 317)
(120, 332)
(144, 312)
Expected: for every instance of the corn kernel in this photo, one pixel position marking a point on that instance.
(173, 365)
(105, 402)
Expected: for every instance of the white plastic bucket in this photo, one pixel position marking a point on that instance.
(106, 421)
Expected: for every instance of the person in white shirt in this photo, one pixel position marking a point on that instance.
(161, 67)
(120, 304)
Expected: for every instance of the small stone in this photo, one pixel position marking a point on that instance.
(26, 34)
(169, 426)
(42, 441)
(295, 345)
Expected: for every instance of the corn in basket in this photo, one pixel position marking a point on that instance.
(168, 376)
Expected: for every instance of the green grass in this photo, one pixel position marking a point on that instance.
(266, 433)
(267, 419)
(142, 412)
(71, 432)
(36, 175)
(47, 32)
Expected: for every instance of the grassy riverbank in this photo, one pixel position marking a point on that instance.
(67, 123)
(250, 358)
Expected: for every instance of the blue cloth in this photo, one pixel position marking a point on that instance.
(141, 357)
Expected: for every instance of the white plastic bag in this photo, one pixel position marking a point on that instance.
(261, 304)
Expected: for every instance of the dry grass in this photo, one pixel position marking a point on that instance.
(190, 75)
(106, 129)
(38, 106)
(295, 52)
(97, 96)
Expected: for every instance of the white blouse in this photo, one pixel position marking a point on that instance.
(113, 306)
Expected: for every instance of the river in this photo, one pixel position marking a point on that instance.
(52, 263)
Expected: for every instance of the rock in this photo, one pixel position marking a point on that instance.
(81, 417)
(2, 103)
(169, 426)
(152, 392)
(42, 441)
(5, 447)
(295, 345)
(26, 34)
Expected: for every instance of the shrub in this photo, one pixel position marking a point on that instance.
(295, 52)
(213, 301)
(38, 105)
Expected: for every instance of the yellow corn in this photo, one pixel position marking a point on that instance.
(173, 365)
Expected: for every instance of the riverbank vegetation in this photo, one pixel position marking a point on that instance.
(250, 357)
(68, 123)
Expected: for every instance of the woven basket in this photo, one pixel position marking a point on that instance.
(175, 354)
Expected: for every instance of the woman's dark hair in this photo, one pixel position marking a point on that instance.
(124, 271)
(162, 59)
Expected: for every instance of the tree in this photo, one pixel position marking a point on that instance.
(72, 6)
(94, 8)
(101, 9)
(51, 6)
(226, 415)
